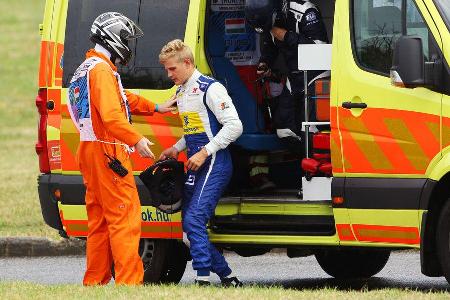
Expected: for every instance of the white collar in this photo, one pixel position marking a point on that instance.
(191, 79)
(102, 50)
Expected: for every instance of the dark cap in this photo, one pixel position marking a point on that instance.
(259, 14)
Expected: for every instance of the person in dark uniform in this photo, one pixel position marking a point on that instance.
(285, 24)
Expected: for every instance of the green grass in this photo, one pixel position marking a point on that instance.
(20, 214)
(35, 291)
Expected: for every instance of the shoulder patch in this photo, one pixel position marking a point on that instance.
(224, 105)
(204, 81)
(311, 16)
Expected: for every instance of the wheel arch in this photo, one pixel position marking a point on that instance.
(433, 198)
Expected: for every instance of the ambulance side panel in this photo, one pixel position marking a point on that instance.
(387, 147)
(61, 189)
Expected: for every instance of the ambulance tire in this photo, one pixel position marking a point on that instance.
(153, 253)
(175, 263)
(352, 263)
(443, 240)
(153, 258)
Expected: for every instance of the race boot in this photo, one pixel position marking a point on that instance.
(202, 282)
(231, 282)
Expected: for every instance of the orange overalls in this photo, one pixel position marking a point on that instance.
(112, 202)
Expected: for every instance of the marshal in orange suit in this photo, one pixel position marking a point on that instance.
(101, 109)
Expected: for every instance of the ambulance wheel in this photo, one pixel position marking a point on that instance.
(175, 264)
(352, 263)
(443, 240)
(153, 254)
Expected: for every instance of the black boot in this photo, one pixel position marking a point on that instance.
(202, 282)
(231, 282)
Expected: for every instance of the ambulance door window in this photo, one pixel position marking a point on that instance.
(161, 22)
(444, 9)
(377, 25)
(415, 25)
(80, 15)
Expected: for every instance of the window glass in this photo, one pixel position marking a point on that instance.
(415, 25)
(444, 9)
(377, 24)
(161, 22)
(80, 15)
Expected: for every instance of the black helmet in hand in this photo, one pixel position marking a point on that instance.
(113, 31)
(165, 181)
(260, 14)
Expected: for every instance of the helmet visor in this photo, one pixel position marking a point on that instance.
(133, 31)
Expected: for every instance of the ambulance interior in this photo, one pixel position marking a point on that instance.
(233, 52)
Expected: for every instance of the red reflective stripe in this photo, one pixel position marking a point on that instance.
(345, 232)
(46, 63)
(176, 224)
(76, 222)
(169, 234)
(58, 66)
(144, 224)
(423, 135)
(409, 149)
(352, 152)
(380, 133)
(164, 235)
(177, 235)
(387, 234)
(76, 233)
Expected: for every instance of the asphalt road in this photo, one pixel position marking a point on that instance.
(402, 271)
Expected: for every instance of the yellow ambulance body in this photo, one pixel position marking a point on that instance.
(390, 133)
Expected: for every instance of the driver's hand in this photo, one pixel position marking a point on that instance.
(169, 153)
(197, 160)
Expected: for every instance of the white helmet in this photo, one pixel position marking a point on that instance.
(113, 30)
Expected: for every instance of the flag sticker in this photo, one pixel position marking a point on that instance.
(235, 26)
(224, 106)
(76, 93)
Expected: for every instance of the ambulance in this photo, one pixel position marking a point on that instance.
(376, 179)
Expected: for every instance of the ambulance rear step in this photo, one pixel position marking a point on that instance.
(299, 225)
(282, 223)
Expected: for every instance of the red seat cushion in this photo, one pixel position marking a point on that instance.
(310, 165)
(326, 168)
(321, 141)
